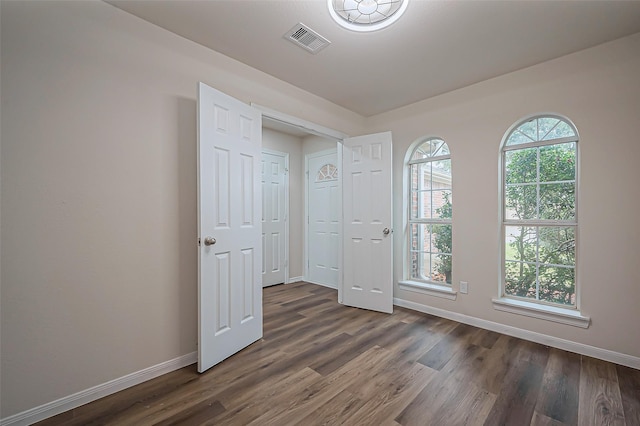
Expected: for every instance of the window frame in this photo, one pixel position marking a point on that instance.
(409, 283)
(508, 302)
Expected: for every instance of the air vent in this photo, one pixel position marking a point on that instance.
(306, 38)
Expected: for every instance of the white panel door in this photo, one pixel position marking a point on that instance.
(273, 218)
(323, 243)
(229, 228)
(368, 237)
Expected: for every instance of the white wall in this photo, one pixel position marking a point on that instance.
(292, 145)
(99, 191)
(598, 90)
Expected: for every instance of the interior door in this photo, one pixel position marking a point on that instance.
(229, 228)
(324, 211)
(367, 209)
(274, 218)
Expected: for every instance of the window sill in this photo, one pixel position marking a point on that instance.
(550, 313)
(435, 290)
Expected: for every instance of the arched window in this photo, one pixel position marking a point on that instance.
(327, 172)
(539, 211)
(429, 211)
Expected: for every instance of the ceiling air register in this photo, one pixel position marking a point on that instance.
(366, 15)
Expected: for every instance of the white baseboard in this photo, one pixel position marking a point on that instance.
(295, 280)
(567, 345)
(92, 394)
(88, 395)
(322, 284)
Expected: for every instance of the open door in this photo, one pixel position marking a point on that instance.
(229, 228)
(367, 209)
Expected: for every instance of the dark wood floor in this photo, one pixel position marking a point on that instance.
(324, 363)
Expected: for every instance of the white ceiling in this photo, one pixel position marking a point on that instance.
(435, 47)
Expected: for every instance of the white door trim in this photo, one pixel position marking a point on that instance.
(307, 126)
(285, 155)
(341, 245)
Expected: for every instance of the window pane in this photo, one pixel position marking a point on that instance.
(520, 243)
(420, 236)
(557, 245)
(517, 137)
(441, 268)
(430, 148)
(423, 205)
(520, 279)
(520, 202)
(423, 266)
(562, 130)
(441, 204)
(441, 171)
(545, 125)
(557, 285)
(557, 201)
(413, 177)
(421, 152)
(444, 149)
(530, 129)
(558, 162)
(420, 176)
(521, 165)
(417, 236)
(441, 239)
(430, 254)
(436, 144)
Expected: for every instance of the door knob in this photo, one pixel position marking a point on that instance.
(386, 231)
(209, 241)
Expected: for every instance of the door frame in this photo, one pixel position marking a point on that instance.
(338, 151)
(318, 130)
(284, 155)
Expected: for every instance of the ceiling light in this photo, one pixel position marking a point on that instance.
(366, 15)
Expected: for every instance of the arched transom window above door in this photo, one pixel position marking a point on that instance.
(327, 172)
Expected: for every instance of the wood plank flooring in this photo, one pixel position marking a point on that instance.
(321, 363)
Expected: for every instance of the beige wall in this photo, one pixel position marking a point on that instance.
(313, 143)
(99, 192)
(98, 180)
(598, 90)
(291, 145)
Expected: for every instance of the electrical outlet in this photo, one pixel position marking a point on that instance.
(464, 287)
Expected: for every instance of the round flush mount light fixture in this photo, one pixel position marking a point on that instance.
(366, 15)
